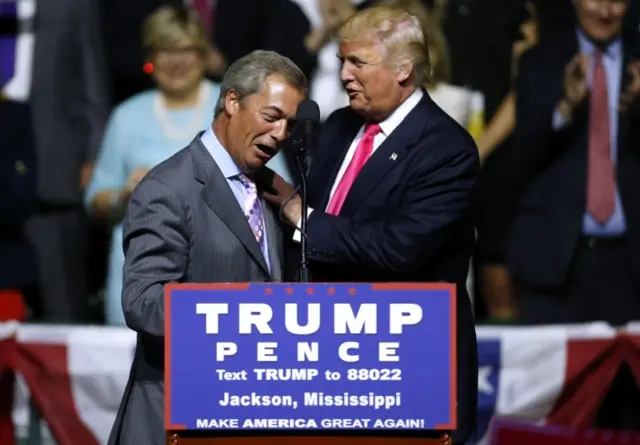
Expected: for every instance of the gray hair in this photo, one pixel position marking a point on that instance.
(247, 75)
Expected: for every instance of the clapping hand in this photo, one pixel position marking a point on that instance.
(335, 12)
(629, 98)
(575, 80)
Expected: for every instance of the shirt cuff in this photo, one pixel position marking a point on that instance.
(297, 235)
(558, 121)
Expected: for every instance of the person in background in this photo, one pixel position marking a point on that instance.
(18, 199)
(324, 18)
(494, 283)
(453, 99)
(151, 126)
(53, 64)
(122, 21)
(574, 249)
(503, 122)
(18, 261)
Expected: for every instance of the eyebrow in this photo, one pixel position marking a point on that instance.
(274, 108)
(280, 112)
(352, 58)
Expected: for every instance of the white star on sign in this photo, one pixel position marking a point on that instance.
(484, 386)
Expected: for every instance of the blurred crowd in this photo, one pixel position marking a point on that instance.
(97, 92)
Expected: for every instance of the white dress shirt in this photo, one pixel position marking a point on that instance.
(18, 88)
(387, 126)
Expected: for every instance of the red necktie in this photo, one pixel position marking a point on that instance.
(205, 9)
(601, 173)
(362, 153)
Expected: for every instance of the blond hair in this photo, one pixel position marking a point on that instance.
(434, 36)
(397, 30)
(167, 27)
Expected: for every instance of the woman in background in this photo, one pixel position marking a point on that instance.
(151, 126)
(495, 208)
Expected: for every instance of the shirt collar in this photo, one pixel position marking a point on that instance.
(222, 157)
(613, 50)
(395, 118)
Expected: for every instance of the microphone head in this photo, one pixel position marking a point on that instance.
(308, 111)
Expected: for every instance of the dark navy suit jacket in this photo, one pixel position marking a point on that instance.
(406, 218)
(18, 266)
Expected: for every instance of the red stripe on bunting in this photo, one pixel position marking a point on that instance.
(44, 368)
(590, 370)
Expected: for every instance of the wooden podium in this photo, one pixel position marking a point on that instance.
(255, 343)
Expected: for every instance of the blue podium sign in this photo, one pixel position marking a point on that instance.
(310, 356)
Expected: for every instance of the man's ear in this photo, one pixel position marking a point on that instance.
(405, 68)
(232, 102)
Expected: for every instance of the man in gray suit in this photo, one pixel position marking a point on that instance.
(197, 218)
(59, 71)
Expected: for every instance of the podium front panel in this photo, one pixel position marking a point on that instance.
(293, 357)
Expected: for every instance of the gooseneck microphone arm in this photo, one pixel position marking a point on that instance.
(304, 248)
(308, 117)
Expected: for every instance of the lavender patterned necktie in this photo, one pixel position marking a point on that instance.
(252, 209)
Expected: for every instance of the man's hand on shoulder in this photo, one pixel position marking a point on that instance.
(281, 193)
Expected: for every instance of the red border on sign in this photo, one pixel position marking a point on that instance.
(453, 360)
(453, 363)
(168, 288)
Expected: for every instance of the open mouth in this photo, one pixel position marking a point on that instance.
(265, 152)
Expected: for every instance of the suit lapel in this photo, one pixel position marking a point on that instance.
(389, 154)
(217, 194)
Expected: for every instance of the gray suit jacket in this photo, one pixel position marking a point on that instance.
(69, 95)
(183, 225)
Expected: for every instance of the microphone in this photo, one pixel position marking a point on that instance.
(308, 117)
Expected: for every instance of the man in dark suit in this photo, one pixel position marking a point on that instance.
(197, 218)
(18, 263)
(392, 181)
(60, 74)
(576, 238)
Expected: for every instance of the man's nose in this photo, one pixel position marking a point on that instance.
(345, 73)
(605, 12)
(279, 132)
